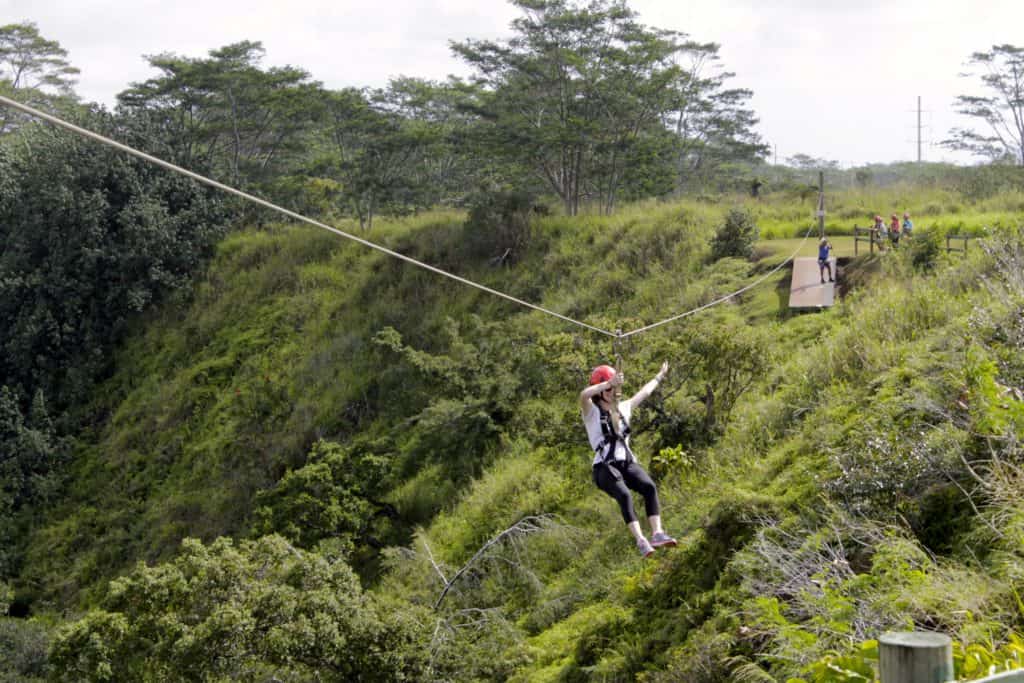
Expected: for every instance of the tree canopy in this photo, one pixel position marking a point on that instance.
(579, 92)
(226, 114)
(91, 237)
(33, 70)
(250, 612)
(1000, 111)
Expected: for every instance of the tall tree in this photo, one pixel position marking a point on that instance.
(226, 113)
(711, 123)
(571, 90)
(806, 162)
(583, 93)
(450, 162)
(374, 152)
(33, 70)
(1001, 110)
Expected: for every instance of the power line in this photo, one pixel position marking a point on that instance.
(297, 216)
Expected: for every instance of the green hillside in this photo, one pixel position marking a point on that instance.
(858, 470)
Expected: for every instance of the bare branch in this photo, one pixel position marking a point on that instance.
(430, 555)
(526, 526)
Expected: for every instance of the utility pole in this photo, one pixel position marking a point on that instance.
(918, 129)
(821, 203)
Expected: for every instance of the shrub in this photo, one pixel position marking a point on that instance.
(331, 496)
(499, 224)
(925, 249)
(736, 236)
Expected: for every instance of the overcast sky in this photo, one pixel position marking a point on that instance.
(833, 79)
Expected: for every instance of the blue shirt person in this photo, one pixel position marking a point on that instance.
(824, 247)
(907, 225)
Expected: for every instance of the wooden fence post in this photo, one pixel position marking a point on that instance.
(915, 657)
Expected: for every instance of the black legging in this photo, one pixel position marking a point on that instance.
(614, 480)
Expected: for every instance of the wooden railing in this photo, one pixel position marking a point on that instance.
(871, 236)
(963, 249)
(859, 236)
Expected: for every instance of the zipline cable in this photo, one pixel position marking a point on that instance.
(297, 216)
(617, 335)
(719, 300)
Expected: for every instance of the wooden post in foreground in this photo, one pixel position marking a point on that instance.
(915, 657)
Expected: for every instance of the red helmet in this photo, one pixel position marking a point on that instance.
(602, 373)
(877, 217)
(906, 215)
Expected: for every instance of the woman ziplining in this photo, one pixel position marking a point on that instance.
(615, 468)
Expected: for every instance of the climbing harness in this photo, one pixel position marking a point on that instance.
(609, 438)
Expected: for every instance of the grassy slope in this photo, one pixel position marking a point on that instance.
(817, 521)
(217, 401)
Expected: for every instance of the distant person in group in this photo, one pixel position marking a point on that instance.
(894, 230)
(615, 467)
(908, 227)
(880, 232)
(824, 247)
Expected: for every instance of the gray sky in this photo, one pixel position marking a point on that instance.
(833, 79)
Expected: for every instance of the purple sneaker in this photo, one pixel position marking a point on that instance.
(662, 540)
(645, 548)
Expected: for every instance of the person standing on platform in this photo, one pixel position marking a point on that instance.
(824, 263)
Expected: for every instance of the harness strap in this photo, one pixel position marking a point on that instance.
(610, 438)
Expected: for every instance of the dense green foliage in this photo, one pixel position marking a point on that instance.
(91, 237)
(31, 460)
(257, 612)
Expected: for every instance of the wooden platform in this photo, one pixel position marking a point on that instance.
(806, 290)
